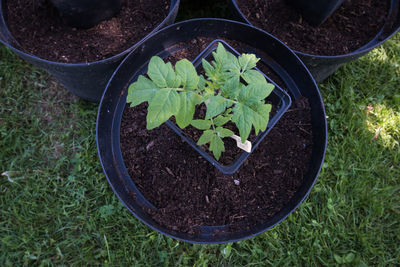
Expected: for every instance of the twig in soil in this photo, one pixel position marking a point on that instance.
(305, 131)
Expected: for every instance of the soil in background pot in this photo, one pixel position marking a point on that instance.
(189, 192)
(40, 31)
(353, 25)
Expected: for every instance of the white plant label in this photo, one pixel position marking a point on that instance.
(246, 146)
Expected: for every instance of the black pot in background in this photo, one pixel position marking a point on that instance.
(86, 80)
(316, 11)
(322, 66)
(275, 54)
(86, 13)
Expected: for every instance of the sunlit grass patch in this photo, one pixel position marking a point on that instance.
(384, 123)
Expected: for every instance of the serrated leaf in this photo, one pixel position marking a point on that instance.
(163, 105)
(225, 60)
(217, 146)
(188, 101)
(231, 87)
(220, 54)
(205, 137)
(202, 83)
(223, 132)
(216, 105)
(140, 91)
(187, 73)
(208, 68)
(161, 73)
(252, 76)
(260, 116)
(242, 121)
(259, 91)
(221, 120)
(247, 61)
(232, 63)
(201, 124)
(251, 113)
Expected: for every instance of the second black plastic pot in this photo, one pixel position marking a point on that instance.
(322, 66)
(86, 80)
(273, 53)
(86, 13)
(316, 11)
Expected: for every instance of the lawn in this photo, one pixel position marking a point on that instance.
(56, 207)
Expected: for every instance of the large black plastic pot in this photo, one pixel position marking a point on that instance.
(86, 80)
(275, 54)
(86, 13)
(322, 66)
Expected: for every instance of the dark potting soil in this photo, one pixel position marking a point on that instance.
(40, 31)
(189, 192)
(353, 25)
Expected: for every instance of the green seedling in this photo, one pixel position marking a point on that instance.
(231, 89)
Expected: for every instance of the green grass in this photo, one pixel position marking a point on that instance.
(56, 207)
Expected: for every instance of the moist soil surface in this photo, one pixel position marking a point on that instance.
(353, 25)
(189, 192)
(40, 31)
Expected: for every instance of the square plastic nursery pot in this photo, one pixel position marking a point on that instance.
(278, 99)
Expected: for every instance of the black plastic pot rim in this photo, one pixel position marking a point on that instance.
(277, 222)
(361, 50)
(73, 65)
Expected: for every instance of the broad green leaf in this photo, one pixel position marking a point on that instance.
(247, 61)
(338, 259)
(232, 63)
(202, 83)
(140, 91)
(221, 119)
(210, 71)
(188, 101)
(161, 74)
(223, 132)
(217, 146)
(226, 60)
(231, 87)
(220, 55)
(187, 73)
(350, 257)
(216, 105)
(251, 113)
(163, 105)
(205, 137)
(252, 76)
(259, 91)
(259, 115)
(242, 120)
(201, 124)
